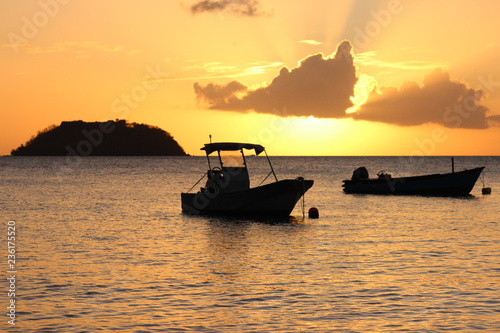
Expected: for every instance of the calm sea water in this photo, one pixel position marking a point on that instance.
(102, 245)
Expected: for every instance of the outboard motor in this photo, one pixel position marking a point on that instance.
(360, 174)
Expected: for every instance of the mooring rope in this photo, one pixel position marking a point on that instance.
(197, 182)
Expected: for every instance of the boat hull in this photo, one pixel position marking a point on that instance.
(276, 199)
(449, 184)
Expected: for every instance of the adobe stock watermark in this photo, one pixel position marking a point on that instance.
(277, 124)
(380, 19)
(11, 271)
(131, 100)
(424, 147)
(217, 183)
(121, 107)
(31, 26)
(462, 110)
(453, 116)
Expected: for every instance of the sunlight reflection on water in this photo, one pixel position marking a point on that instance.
(107, 248)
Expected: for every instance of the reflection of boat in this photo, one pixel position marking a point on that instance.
(228, 191)
(448, 184)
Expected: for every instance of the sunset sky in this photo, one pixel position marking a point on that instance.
(315, 77)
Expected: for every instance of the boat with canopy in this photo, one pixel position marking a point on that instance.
(227, 189)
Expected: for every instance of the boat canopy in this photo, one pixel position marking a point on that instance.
(229, 146)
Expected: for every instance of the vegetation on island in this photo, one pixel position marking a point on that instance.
(111, 138)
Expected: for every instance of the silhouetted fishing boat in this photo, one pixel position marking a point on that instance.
(227, 189)
(447, 184)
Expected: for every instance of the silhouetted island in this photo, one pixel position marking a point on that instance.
(111, 138)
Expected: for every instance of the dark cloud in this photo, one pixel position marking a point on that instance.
(494, 120)
(216, 94)
(319, 86)
(323, 87)
(439, 100)
(236, 7)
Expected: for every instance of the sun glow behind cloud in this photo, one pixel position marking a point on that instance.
(310, 42)
(370, 59)
(220, 70)
(362, 89)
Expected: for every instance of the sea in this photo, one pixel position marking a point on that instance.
(100, 244)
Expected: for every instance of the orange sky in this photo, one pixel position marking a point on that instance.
(433, 64)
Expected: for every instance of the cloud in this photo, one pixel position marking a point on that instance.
(319, 86)
(331, 87)
(439, 100)
(494, 120)
(310, 42)
(77, 48)
(236, 7)
(369, 59)
(218, 70)
(219, 94)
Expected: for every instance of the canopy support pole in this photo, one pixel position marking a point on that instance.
(208, 160)
(272, 169)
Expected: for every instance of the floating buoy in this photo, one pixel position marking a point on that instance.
(313, 213)
(486, 190)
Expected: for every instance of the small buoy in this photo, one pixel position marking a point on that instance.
(313, 213)
(486, 190)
